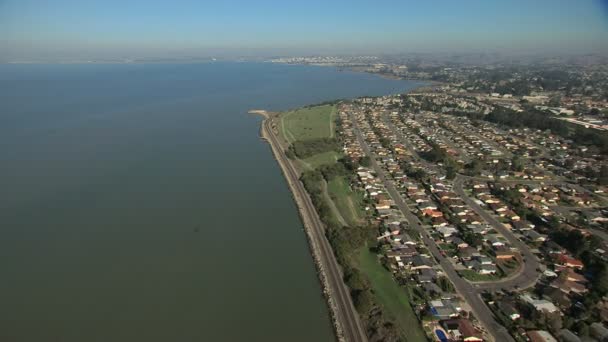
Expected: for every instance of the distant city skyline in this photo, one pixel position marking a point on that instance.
(66, 29)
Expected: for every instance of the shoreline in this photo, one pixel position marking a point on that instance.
(333, 287)
(429, 83)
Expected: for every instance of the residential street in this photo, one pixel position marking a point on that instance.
(528, 274)
(470, 293)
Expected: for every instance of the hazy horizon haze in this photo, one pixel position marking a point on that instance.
(69, 30)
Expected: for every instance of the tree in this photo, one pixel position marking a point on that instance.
(602, 179)
(290, 154)
(445, 284)
(365, 161)
(474, 167)
(582, 329)
(451, 167)
(472, 239)
(363, 301)
(517, 164)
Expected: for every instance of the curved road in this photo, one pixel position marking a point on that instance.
(529, 274)
(345, 312)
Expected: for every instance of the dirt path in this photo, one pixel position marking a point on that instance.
(332, 205)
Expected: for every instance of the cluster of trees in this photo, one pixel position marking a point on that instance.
(531, 119)
(308, 148)
(438, 155)
(538, 120)
(473, 239)
(517, 87)
(445, 284)
(435, 155)
(513, 198)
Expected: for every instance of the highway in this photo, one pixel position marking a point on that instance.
(470, 293)
(344, 310)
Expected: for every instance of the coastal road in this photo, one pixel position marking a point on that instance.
(346, 315)
(465, 289)
(528, 274)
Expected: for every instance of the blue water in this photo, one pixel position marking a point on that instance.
(137, 203)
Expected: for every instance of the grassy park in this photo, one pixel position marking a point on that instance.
(308, 123)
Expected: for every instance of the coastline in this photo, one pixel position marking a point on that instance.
(346, 326)
(428, 84)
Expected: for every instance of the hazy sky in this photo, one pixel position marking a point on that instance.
(43, 29)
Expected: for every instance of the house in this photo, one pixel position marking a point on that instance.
(534, 236)
(523, 225)
(540, 304)
(423, 278)
(566, 335)
(420, 262)
(489, 199)
(484, 260)
(439, 222)
(447, 231)
(405, 239)
(443, 309)
(540, 336)
(571, 275)
(479, 228)
(461, 330)
(510, 214)
(500, 208)
(551, 247)
(568, 286)
(505, 254)
(432, 213)
(599, 331)
(466, 254)
(567, 261)
(495, 240)
(558, 297)
(432, 289)
(458, 242)
(402, 251)
(485, 269)
(427, 205)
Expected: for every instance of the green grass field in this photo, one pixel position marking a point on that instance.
(321, 159)
(308, 123)
(392, 297)
(348, 202)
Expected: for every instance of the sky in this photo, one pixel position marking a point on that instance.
(64, 29)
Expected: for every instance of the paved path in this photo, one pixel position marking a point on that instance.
(346, 315)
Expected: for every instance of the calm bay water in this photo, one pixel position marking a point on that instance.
(137, 203)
